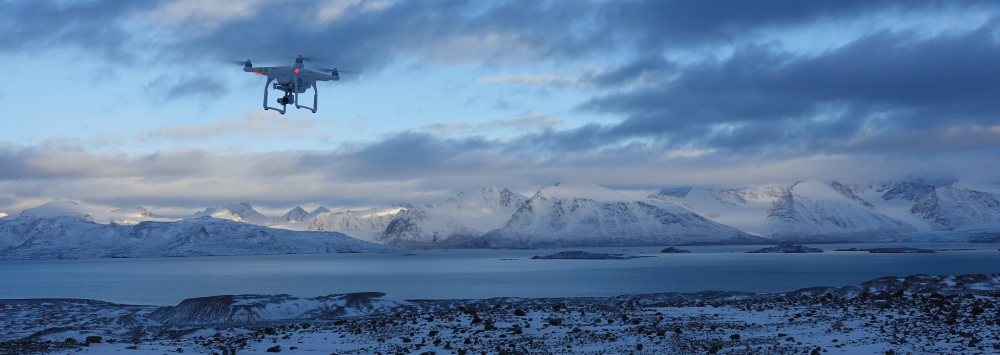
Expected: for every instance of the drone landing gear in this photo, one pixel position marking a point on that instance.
(283, 101)
(315, 96)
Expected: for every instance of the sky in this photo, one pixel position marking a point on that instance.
(121, 103)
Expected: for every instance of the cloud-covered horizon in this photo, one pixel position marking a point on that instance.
(675, 93)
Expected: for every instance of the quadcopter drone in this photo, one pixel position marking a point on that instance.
(293, 80)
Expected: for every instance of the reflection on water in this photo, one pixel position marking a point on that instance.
(443, 274)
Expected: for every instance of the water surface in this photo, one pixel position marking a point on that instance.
(444, 274)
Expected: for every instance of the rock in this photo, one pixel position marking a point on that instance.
(674, 250)
(274, 349)
(586, 255)
(904, 250)
(899, 250)
(788, 249)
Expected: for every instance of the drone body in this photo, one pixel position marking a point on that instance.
(292, 80)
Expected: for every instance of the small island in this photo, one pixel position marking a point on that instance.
(788, 249)
(674, 250)
(906, 250)
(586, 255)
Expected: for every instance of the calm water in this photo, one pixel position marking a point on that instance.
(476, 273)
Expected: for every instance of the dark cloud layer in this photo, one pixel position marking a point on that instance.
(368, 36)
(884, 85)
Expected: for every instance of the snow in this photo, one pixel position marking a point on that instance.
(373, 219)
(459, 221)
(591, 215)
(587, 191)
(61, 207)
(74, 238)
(813, 211)
(558, 217)
(837, 320)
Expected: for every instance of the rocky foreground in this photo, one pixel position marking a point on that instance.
(892, 315)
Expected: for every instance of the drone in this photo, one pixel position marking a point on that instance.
(292, 80)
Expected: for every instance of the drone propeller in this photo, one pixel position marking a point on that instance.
(339, 70)
(305, 58)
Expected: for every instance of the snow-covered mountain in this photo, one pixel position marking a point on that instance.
(61, 207)
(316, 212)
(137, 211)
(915, 210)
(72, 238)
(58, 207)
(371, 219)
(743, 209)
(458, 222)
(960, 205)
(591, 215)
(910, 210)
(426, 227)
(239, 212)
(817, 212)
(297, 214)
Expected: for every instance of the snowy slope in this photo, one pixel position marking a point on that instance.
(896, 198)
(814, 211)
(72, 237)
(910, 210)
(366, 220)
(744, 208)
(484, 209)
(427, 227)
(316, 212)
(590, 215)
(239, 212)
(458, 222)
(297, 214)
(960, 205)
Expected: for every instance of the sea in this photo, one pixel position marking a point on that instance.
(479, 273)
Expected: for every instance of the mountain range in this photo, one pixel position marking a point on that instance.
(70, 237)
(591, 215)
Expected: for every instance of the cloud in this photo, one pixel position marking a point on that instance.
(886, 86)
(368, 34)
(692, 92)
(202, 88)
(533, 80)
(204, 14)
(250, 124)
(531, 122)
(420, 167)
